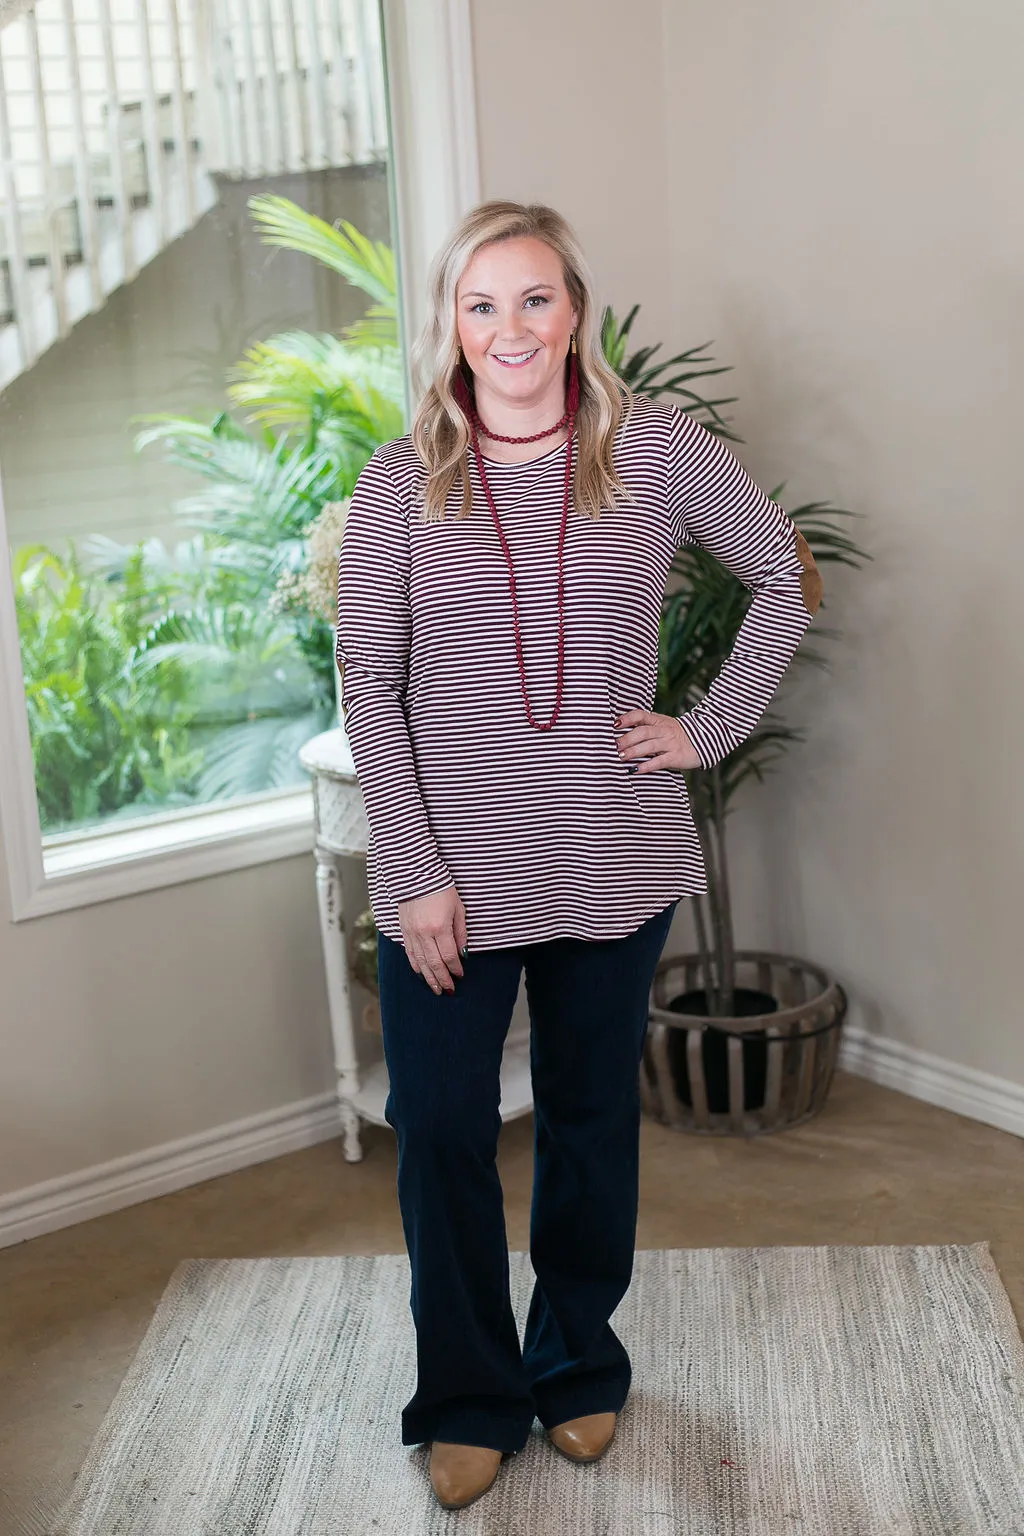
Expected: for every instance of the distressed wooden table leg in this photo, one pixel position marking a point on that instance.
(329, 892)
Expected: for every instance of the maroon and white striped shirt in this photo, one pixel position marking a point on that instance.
(546, 833)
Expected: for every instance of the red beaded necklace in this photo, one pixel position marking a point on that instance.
(476, 426)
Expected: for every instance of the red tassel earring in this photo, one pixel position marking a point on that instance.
(460, 389)
(572, 394)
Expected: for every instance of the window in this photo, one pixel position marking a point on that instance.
(182, 393)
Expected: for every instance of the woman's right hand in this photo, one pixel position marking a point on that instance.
(434, 930)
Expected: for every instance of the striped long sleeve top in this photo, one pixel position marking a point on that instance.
(547, 834)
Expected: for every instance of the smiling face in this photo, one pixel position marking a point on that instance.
(515, 319)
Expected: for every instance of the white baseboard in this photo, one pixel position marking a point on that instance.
(159, 1170)
(966, 1091)
(175, 1165)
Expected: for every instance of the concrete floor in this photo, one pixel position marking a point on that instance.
(873, 1167)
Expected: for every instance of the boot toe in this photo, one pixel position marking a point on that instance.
(586, 1438)
(461, 1473)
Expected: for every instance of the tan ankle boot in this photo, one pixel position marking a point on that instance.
(461, 1473)
(584, 1439)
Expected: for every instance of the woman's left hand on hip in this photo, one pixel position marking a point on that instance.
(658, 737)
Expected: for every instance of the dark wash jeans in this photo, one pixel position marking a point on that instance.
(588, 1003)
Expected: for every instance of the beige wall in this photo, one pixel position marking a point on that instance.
(846, 226)
(139, 1021)
(828, 194)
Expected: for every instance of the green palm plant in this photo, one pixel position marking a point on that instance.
(670, 376)
(364, 263)
(257, 675)
(253, 699)
(260, 496)
(253, 679)
(338, 400)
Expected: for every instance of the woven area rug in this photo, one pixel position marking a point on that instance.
(825, 1391)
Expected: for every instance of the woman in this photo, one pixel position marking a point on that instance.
(500, 586)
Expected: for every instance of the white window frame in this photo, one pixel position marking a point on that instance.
(435, 178)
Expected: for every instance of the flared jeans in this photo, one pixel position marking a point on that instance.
(588, 1007)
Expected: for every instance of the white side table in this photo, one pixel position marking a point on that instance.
(342, 831)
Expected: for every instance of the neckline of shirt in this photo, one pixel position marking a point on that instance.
(522, 463)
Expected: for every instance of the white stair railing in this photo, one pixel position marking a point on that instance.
(117, 115)
(294, 85)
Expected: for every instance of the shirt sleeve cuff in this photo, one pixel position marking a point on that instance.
(423, 885)
(710, 746)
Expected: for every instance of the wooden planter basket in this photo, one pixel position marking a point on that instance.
(774, 1069)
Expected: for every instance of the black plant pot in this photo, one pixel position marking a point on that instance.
(710, 1075)
(747, 1003)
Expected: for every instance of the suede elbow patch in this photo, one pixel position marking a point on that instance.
(810, 576)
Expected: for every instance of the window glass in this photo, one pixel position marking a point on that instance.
(198, 353)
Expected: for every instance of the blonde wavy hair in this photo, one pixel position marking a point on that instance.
(440, 434)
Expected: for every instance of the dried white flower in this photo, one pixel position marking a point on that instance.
(315, 590)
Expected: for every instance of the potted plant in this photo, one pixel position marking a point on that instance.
(739, 1041)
